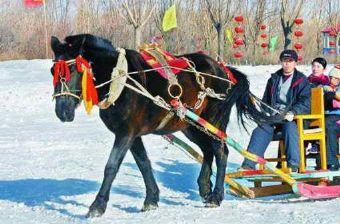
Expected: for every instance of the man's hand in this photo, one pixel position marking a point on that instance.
(289, 116)
(328, 89)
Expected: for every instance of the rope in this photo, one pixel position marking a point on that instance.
(210, 93)
(143, 91)
(162, 67)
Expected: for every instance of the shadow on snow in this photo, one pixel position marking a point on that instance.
(172, 174)
(44, 192)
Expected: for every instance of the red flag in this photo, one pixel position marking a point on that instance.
(33, 3)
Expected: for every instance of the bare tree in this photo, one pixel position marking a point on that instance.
(221, 12)
(318, 22)
(289, 11)
(255, 12)
(137, 13)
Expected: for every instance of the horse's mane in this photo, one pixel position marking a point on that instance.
(96, 44)
(101, 47)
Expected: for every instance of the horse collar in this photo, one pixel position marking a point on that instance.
(118, 80)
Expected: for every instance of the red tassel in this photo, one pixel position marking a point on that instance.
(61, 70)
(91, 90)
(81, 61)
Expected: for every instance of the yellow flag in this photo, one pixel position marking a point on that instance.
(87, 102)
(169, 19)
(229, 35)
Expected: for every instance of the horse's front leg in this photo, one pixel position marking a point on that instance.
(221, 156)
(118, 152)
(152, 192)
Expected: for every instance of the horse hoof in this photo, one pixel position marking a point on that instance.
(95, 213)
(149, 207)
(212, 201)
(211, 205)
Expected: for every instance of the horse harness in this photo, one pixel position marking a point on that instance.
(119, 78)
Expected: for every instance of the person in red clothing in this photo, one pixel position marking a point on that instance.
(318, 77)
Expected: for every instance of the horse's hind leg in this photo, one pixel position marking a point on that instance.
(200, 138)
(210, 148)
(221, 156)
(118, 152)
(144, 165)
(204, 182)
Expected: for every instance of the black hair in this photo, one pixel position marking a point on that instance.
(320, 60)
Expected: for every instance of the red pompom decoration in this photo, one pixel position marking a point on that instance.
(239, 29)
(264, 45)
(238, 54)
(239, 19)
(298, 33)
(298, 21)
(263, 27)
(298, 46)
(300, 58)
(239, 42)
(263, 35)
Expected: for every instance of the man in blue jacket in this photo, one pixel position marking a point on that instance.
(286, 90)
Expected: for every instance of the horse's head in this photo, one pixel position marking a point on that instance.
(72, 77)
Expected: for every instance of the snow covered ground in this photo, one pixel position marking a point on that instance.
(50, 171)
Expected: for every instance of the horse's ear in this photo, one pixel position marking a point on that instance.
(54, 43)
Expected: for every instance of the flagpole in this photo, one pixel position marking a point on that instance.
(46, 39)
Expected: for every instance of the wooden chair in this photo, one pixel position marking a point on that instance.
(316, 131)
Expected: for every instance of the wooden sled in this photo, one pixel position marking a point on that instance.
(300, 184)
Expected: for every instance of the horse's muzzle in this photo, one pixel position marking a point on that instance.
(65, 110)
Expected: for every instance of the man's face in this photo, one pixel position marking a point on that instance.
(288, 65)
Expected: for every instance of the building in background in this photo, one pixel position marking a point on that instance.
(330, 36)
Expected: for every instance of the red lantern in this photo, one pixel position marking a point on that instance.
(239, 42)
(332, 33)
(263, 27)
(332, 51)
(300, 58)
(298, 33)
(239, 29)
(238, 54)
(298, 46)
(298, 21)
(264, 45)
(264, 35)
(239, 19)
(332, 43)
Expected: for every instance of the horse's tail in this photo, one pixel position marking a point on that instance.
(246, 107)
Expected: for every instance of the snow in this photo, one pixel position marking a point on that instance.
(51, 171)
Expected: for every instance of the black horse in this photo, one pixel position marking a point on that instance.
(133, 115)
